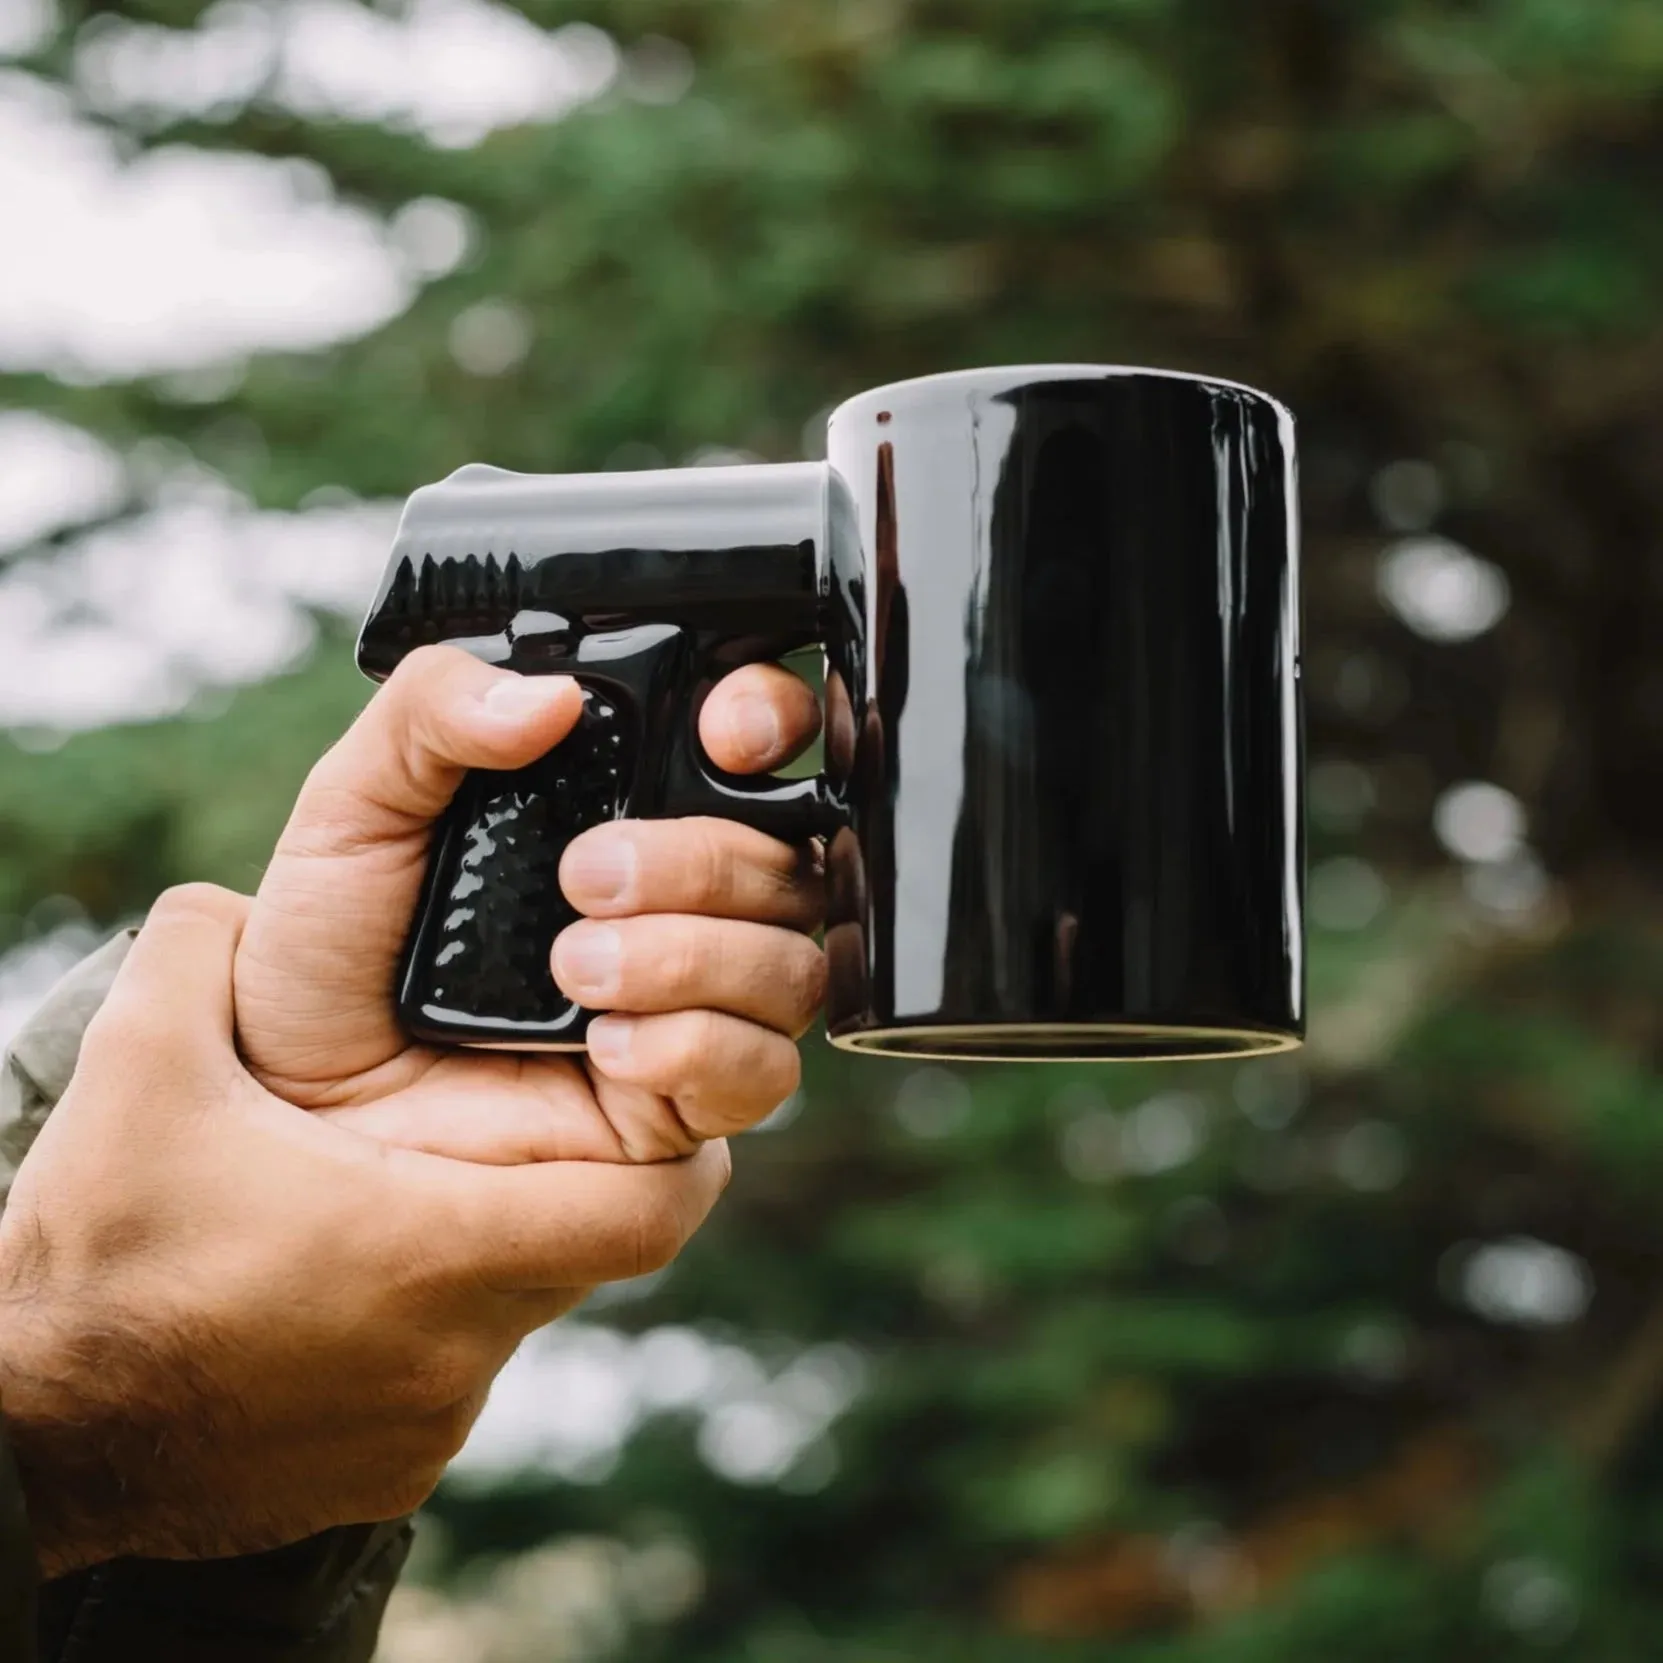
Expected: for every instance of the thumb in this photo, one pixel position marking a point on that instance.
(318, 958)
(440, 713)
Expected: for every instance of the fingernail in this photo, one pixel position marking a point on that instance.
(599, 868)
(754, 725)
(586, 961)
(514, 698)
(611, 1039)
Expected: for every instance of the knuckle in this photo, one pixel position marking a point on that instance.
(790, 896)
(657, 1236)
(805, 977)
(121, 1030)
(412, 747)
(698, 1044)
(140, 1046)
(707, 864)
(329, 818)
(788, 1072)
(729, 1073)
(805, 887)
(420, 667)
(774, 1072)
(686, 960)
(661, 1136)
(198, 902)
(408, 715)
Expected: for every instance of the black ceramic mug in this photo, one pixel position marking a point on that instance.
(1063, 793)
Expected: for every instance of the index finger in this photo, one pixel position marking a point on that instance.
(758, 718)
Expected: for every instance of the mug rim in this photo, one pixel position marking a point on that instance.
(1004, 376)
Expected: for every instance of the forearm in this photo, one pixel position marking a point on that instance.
(78, 1451)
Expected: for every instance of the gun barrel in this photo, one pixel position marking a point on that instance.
(487, 558)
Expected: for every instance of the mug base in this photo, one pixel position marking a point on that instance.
(1064, 1042)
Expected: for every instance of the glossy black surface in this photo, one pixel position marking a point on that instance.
(720, 566)
(1063, 738)
(1064, 719)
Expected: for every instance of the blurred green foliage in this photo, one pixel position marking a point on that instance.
(1181, 1365)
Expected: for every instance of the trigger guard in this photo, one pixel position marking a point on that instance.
(792, 810)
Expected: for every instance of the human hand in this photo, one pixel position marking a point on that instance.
(696, 934)
(229, 1324)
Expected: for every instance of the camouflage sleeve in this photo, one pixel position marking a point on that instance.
(35, 1070)
(319, 1601)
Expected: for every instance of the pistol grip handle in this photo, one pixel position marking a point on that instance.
(476, 968)
(476, 965)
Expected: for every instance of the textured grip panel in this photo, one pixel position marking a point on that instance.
(478, 960)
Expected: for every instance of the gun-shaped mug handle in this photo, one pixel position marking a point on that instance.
(646, 587)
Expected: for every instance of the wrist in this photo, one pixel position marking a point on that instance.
(72, 1498)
